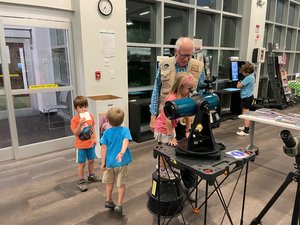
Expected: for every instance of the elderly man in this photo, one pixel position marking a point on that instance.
(166, 71)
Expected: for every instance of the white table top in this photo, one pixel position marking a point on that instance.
(269, 121)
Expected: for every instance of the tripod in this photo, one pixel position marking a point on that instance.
(292, 176)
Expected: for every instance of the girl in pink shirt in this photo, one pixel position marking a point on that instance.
(164, 131)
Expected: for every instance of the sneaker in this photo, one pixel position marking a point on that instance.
(81, 185)
(109, 204)
(242, 133)
(241, 128)
(118, 209)
(92, 178)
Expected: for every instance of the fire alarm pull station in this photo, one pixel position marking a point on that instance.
(98, 75)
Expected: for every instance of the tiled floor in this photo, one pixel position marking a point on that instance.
(42, 190)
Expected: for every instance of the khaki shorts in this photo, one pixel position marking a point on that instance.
(111, 174)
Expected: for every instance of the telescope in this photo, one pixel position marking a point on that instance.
(292, 147)
(200, 141)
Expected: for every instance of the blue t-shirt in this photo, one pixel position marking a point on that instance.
(248, 86)
(113, 139)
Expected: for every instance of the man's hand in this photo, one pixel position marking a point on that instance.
(152, 122)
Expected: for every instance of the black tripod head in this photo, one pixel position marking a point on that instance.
(207, 86)
(292, 147)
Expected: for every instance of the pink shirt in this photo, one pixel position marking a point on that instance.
(161, 125)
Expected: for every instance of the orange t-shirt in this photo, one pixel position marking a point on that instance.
(83, 143)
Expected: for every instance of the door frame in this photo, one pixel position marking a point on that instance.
(16, 151)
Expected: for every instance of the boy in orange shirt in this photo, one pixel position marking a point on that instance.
(82, 126)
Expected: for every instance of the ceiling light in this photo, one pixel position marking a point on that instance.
(129, 22)
(167, 17)
(144, 13)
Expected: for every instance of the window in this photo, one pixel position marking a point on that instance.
(270, 10)
(210, 59)
(267, 34)
(184, 1)
(292, 15)
(5, 139)
(60, 59)
(289, 36)
(279, 11)
(228, 32)
(50, 50)
(141, 66)
(175, 24)
(207, 3)
(278, 36)
(224, 63)
(140, 22)
(230, 6)
(296, 65)
(298, 41)
(205, 28)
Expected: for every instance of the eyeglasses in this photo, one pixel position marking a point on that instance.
(184, 56)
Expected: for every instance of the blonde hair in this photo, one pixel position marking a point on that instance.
(180, 80)
(115, 116)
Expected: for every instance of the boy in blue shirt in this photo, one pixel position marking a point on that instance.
(246, 86)
(115, 157)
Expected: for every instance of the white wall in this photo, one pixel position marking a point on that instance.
(58, 4)
(87, 25)
(251, 18)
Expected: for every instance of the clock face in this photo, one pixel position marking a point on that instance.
(105, 7)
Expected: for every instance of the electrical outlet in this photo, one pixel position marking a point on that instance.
(112, 74)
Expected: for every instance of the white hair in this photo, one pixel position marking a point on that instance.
(180, 41)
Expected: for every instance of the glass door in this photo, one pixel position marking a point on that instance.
(37, 90)
(5, 137)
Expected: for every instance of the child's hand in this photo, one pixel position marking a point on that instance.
(102, 167)
(187, 134)
(81, 121)
(119, 157)
(173, 142)
(105, 126)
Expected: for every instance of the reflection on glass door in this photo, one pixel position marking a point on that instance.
(40, 87)
(5, 140)
(43, 65)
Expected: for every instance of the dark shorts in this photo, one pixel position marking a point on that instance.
(246, 103)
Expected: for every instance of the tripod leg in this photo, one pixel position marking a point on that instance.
(296, 212)
(287, 181)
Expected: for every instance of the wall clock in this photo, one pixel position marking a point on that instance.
(105, 7)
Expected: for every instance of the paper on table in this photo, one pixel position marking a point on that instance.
(237, 154)
(85, 115)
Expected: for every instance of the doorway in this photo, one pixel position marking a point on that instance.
(36, 71)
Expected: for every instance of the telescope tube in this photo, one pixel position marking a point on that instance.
(182, 107)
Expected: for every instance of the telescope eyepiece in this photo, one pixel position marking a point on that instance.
(287, 138)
